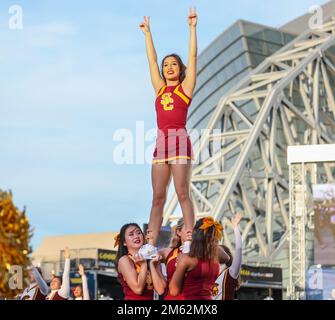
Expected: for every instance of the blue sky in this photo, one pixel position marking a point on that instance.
(75, 74)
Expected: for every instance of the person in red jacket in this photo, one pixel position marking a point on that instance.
(138, 277)
(197, 271)
(174, 86)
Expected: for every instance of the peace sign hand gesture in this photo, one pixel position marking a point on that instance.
(145, 25)
(192, 17)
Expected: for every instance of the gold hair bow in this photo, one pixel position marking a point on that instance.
(117, 240)
(210, 222)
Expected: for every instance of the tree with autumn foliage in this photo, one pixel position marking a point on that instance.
(15, 234)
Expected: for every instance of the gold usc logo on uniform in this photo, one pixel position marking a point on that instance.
(167, 101)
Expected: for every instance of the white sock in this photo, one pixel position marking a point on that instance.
(148, 251)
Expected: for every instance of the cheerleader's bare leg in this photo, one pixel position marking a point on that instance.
(161, 178)
(181, 172)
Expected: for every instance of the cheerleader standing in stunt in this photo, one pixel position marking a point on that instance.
(174, 88)
(138, 277)
(197, 271)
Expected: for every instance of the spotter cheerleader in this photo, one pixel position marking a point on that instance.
(138, 277)
(197, 271)
(37, 289)
(174, 86)
(228, 282)
(60, 286)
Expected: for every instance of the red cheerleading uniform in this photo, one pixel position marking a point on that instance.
(199, 282)
(56, 297)
(173, 141)
(148, 292)
(33, 293)
(171, 263)
(229, 286)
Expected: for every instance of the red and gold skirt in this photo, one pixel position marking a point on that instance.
(172, 145)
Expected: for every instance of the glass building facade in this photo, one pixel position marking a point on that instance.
(227, 60)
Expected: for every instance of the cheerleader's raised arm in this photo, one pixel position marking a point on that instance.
(235, 268)
(64, 290)
(156, 79)
(191, 71)
(40, 281)
(86, 295)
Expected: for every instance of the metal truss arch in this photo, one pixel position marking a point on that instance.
(241, 157)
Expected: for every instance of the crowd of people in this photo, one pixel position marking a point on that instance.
(59, 288)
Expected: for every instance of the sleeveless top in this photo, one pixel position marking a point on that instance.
(32, 293)
(148, 291)
(171, 263)
(199, 282)
(171, 107)
(55, 296)
(173, 141)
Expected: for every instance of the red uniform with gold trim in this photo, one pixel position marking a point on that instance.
(148, 292)
(199, 282)
(171, 263)
(229, 285)
(33, 292)
(55, 296)
(173, 141)
(225, 286)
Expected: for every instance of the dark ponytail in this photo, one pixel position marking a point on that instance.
(122, 249)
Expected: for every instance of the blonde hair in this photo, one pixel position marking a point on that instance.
(175, 239)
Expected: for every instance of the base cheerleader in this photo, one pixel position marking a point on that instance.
(171, 255)
(197, 271)
(139, 278)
